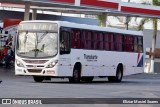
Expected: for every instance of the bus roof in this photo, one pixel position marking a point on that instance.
(88, 27)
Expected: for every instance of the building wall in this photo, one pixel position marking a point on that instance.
(148, 38)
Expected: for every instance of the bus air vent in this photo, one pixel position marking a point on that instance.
(34, 70)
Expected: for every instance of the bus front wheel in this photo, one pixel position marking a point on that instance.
(38, 78)
(76, 76)
(118, 77)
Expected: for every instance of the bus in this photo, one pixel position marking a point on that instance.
(79, 52)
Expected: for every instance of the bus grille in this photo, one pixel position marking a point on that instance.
(35, 61)
(39, 66)
(34, 70)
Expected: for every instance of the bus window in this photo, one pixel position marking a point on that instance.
(100, 41)
(111, 41)
(131, 48)
(135, 41)
(118, 42)
(83, 40)
(76, 39)
(106, 41)
(128, 43)
(97, 41)
(140, 44)
(87, 39)
(64, 42)
(95, 37)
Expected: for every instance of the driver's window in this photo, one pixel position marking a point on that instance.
(64, 42)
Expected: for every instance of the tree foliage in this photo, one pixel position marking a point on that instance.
(99, 17)
(153, 20)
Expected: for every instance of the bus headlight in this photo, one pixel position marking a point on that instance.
(52, 64)
(19, 64)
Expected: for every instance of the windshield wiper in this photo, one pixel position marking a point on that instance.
(38, 41)
(25, 39)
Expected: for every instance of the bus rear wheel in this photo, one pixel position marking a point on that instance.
(87, 79)
(118, 77)
(38, 78)
(76, 76)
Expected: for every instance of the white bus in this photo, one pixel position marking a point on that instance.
(46, 49)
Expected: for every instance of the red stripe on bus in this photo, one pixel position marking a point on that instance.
(64, 1)
(100, 3)
(140, 10)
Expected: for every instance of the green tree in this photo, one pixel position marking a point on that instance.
(99, 17)
(155, 26)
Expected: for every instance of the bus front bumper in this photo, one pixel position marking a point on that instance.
(40, 72)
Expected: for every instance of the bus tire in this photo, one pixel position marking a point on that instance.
(38, 78)
(87, 79)
(76, 75)
(119, 75)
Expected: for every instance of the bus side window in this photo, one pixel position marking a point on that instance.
(83, 40)
(100, 41)
(64, 42)
(135, 41)
(128, 43)
(118, 42)
(140, 44)
(95, 40)
(106, 42)
(111, 42)
(76, 39)
(131, 47)
(87, 39)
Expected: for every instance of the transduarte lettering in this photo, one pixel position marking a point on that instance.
(90, 57)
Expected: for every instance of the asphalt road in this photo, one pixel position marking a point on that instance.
(135, 86)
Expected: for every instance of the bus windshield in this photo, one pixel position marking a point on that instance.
(37, 44)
